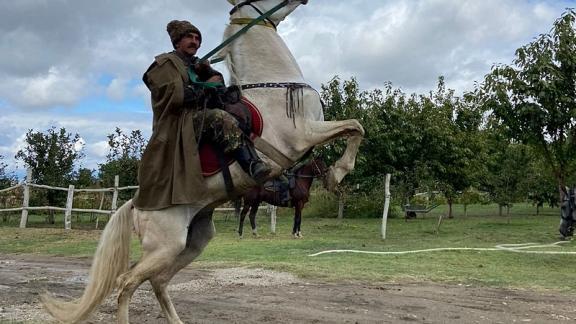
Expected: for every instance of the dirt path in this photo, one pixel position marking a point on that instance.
(240, 295)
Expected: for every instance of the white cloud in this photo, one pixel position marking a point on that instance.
(117, 88)
(57, 87)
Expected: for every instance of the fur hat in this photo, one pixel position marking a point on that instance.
(180, 28)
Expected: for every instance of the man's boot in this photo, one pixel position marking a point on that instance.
(251, 163)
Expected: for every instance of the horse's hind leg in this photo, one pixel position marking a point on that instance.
(253, 212)
(242, 217)
(163, 237)
(200, 232)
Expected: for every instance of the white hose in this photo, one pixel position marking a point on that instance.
(518, 248)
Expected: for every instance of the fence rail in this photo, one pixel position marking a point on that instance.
(26, 185)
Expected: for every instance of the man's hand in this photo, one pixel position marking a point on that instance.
(203, 69)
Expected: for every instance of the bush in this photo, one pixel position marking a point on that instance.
(357, 205)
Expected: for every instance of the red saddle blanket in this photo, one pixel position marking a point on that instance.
(208, 157)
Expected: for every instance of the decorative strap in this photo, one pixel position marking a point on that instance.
(246, 21)
(293, 85)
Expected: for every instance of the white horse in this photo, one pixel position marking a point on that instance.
(171, 238)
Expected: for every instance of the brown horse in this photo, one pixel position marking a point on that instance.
(300, 181)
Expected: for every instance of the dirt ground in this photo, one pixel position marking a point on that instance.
(240, 295)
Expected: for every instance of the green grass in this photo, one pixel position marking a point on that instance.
(482, 228)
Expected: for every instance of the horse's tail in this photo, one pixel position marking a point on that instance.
(110, 260)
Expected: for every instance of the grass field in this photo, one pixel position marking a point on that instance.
(481, 228)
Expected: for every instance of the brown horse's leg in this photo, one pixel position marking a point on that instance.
(242, 217)
(297, 219)
(200, 232)
(253, 212)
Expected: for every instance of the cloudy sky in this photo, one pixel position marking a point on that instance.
(78, 64)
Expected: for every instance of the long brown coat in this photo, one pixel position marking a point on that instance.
(170, 172)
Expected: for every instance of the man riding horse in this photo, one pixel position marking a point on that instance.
(187, 98)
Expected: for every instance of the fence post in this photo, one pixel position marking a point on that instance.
(386, 205)
(25, 202)
(68, 213)
(272, 218)
(115, 194)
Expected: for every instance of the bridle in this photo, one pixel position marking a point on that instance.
(249, 3)
(317, 172)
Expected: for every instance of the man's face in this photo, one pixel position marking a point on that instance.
(189, 44)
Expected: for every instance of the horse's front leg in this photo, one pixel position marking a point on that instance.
(297, 220)
(321, 132)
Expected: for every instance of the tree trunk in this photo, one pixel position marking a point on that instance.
(450, 216)
(499, 209)
(50, 219)
(508, 212)
(465, 210)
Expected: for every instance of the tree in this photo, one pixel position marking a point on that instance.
(123, 158)
(451, 142)
(535, 98)
(6, 179)
(51, 157)
(84, 178)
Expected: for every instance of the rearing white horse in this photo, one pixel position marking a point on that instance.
(171, 238)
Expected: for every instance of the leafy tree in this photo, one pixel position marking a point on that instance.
(6, 179)
(535, 98)
(84, 178)
(451, 143)
(123, 158)
(51, 157)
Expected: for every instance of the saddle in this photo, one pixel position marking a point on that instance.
(250, 122)
(281, 189)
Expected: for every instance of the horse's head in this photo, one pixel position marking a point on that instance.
(319, 169)
(315, 168)
(567, 207)
(255, 8)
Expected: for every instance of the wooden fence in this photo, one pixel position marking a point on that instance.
(70, 199)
